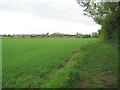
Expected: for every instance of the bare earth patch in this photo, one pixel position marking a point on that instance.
(109, 78)
(86, 73)
(84, 84)
(75, 53)
(67, 61)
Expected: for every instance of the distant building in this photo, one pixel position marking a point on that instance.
(30, 35)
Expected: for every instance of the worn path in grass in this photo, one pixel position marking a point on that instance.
(99, 67)
(94, 65)
(74, 53)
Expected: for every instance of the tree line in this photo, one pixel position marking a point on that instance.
(57, 34)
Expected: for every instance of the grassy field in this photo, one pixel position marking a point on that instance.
(59, 62)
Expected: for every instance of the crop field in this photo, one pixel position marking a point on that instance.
(58, 62)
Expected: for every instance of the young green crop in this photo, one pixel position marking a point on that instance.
(53, 62)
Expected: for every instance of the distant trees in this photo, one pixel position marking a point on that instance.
(95, 35)
(47, 34)
(78, 35)
(87, 36)
(69, 35)
(57, 34)
(5, 35)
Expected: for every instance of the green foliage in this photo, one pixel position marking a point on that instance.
(107, 14)
(95, 35)
(69, 35)
(78, 35)
(61, 35)
(57, 34)
(86, 36)
(4, 35)
(100, 68)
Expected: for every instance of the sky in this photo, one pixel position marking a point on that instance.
(44, 16)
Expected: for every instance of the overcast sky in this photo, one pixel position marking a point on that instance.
(42, 16)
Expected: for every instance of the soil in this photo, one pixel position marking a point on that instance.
(109, 78)
(67, 61)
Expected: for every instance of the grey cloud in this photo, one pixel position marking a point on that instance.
(48, 10)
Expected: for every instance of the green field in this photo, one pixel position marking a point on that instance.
(58, 62)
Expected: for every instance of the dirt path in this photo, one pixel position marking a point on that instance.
(74, 53)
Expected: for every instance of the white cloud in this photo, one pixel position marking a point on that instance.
(26, 23)
(42, 16)
(65, 10)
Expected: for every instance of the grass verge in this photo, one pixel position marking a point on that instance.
(95, 66)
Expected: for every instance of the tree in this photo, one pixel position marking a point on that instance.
(78, 35)
(107, 14)
(57, 34)
(4, 35)
(95, 35)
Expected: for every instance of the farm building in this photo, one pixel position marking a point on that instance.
(30, 35)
